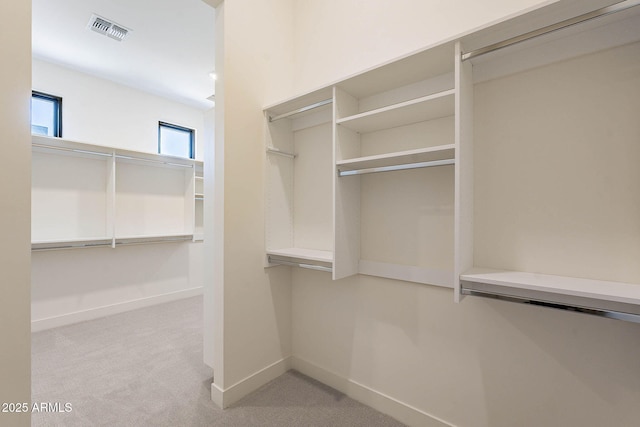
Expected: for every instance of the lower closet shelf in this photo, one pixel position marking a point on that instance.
(89, 242)
(604, 298)
(299, 257)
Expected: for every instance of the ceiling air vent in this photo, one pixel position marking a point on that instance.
(107, 28)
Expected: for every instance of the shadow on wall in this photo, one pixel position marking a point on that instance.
(279, 279)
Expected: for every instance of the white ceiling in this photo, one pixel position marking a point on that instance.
(169, 52)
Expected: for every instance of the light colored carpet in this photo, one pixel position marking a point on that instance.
(144, 368)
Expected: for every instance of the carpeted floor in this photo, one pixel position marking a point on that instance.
(144, 368)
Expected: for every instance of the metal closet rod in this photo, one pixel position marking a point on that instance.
(618, 7)
(396, 167)
(72, 246)
(119, 241)
(281, 153)
(301, 110)
(298, 264)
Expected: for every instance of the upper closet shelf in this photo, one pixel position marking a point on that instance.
(411, 159)
(605, 298)
(405, 113)
(65, 146)
(89, 242)
(303, 254)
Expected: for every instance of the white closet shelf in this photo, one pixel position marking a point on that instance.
(47, 144)
(421, 109)
(421, 155)
(303, 254)
(84, 242)
(304, 258)
(568, 292)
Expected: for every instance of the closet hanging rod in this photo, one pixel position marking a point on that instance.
(140, 159)
(75, 150)
(618, 7)
(396, 167)
(609, 313)
(281, 153)
(297, 264)
(301, 110)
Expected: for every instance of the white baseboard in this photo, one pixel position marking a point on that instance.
(230, 395)
(404, 413)
(107, 310)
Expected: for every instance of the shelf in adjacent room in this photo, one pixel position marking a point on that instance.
(88, 242)
(610, 299)
(382, 162)
(307, 104)
(421, 109)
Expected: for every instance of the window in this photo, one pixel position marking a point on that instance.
(46, 114)
(175, 140)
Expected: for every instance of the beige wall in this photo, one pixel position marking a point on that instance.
(256, 309)
(15, 187)
(478, 363)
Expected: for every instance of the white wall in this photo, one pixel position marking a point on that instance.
(102, 112)
(74, 285)
(478, 363)
(15, 181)
(254, 340)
